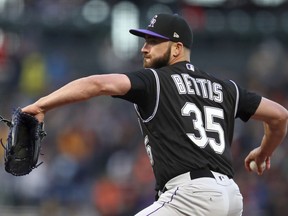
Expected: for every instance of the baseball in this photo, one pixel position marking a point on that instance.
(253, 166)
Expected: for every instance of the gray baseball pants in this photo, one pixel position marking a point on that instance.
(206, 196)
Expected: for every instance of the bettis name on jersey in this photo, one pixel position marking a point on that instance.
(205, 88)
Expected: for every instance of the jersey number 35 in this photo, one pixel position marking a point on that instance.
(202, 139)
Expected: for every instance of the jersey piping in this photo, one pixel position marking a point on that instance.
(157, 100)
(237, 98)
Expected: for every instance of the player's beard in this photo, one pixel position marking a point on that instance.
(159, 61)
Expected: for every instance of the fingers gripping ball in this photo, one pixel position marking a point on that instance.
(253, 166)
(23, 143)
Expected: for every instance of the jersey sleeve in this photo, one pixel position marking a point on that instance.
(142, 87)
(248, 103)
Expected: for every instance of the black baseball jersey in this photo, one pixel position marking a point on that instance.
(187, 118)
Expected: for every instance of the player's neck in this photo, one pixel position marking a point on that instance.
(180, 58)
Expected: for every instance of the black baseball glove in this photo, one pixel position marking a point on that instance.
(23, 143)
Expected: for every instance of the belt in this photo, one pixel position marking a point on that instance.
(201, 173)
(194, 174)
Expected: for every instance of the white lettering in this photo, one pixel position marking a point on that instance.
(202, 87)
(217, 89)
(179, 83)
(188, 83)
(202, 83)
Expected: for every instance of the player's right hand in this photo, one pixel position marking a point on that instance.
(257, 156)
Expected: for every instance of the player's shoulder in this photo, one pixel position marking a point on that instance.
(143, 72)
(229, 86)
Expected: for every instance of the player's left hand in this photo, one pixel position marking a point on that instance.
(34, 111)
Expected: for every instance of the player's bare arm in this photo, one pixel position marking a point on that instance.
(275, 118)
(80, 90)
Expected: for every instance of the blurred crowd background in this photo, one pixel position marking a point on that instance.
(95, 162)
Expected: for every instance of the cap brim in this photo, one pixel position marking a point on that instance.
(143, 32)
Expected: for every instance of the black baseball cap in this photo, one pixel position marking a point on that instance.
(167, 26)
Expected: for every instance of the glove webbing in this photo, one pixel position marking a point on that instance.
(9, 124)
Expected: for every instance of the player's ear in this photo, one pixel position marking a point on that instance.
(177, 49)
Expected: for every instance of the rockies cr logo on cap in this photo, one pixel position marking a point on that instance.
(153, 21)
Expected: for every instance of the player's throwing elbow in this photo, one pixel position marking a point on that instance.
(275, 119)
(272, 113)
(280, 120)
